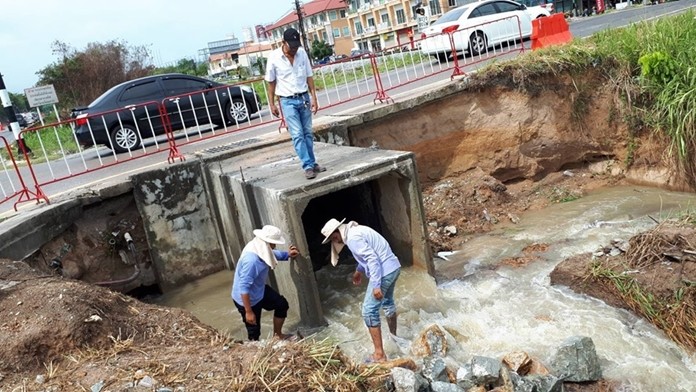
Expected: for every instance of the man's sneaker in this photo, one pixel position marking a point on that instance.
(309, 174)
(319, 169)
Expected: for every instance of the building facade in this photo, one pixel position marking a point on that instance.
(392, 24)
(323, 20)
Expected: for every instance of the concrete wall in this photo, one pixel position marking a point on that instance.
(178, 223)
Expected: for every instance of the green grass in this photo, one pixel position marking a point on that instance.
(48, 143)
(561, 194)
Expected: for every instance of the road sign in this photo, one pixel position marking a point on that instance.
(43, 95)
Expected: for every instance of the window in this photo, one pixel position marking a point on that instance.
(400, 16)
(435, 7)
(358, 28)
(453, 15)
(343, 13)
(143, 92)
(322, 18)
(452, 3)
(484, 10)
(333, 15)
(325, 36)
(346, 31)
(371, 22)
(176, 86)
(385, 18)
(337, 33)
(504, 6)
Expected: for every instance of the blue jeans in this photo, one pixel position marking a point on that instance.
(371, 305)
(298, 117)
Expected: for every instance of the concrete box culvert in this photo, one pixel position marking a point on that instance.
(267, 186)
(198, 215)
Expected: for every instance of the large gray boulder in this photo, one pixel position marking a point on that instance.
(434, 369)
(480, 371)
(441, 386)
(407, 381)
(576, 360)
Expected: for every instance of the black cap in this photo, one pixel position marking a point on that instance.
(292, 37)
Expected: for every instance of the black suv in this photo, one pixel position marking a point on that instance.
(124, 114)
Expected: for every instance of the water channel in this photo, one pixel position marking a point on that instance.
(492, 309)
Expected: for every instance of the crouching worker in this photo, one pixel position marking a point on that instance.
(377, 261)
(249, 289)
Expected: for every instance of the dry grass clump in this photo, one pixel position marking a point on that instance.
(670, 302)
(655, 246)
(308, 365)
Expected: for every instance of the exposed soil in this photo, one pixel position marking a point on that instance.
(475, 202)
(655, 278)
(59, 333)
(71, 335)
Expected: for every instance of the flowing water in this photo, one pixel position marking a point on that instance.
(491, 309)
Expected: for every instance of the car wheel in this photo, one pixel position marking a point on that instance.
(124, 138)
(236, 111)
(477, 43)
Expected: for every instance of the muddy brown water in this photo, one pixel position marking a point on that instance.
(492, 309)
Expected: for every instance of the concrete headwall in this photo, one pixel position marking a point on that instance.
(178, 223)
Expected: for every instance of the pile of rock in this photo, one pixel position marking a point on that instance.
(617, 247)
(575, 360)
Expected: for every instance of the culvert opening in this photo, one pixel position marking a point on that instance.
(357, 203)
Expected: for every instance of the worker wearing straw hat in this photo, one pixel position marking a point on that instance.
(377, 261)
(250, 292)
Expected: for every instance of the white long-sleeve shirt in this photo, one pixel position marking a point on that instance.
(372, 252)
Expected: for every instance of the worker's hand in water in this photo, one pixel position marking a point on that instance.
(377, 293)
(357, 278)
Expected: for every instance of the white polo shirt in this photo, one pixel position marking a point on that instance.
(290, 79)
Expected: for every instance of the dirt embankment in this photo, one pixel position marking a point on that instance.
(496, 152)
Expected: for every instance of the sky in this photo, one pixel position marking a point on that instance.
(170, 29)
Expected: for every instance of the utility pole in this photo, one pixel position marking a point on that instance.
(300, 23)
(12, 118)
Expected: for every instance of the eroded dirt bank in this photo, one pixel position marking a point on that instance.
(485, 156)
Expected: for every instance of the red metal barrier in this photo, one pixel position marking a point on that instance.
(189, 117)
(7, 175)
(206, 114)
(63, 149)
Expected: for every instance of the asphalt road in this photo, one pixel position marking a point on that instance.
(263, 123)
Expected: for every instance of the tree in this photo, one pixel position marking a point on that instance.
(20, 102)
(80, 76)
(321, 49)
(184, 66)
(260, 64)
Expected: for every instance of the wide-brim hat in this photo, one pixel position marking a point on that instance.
(330, 227)
(270, 234)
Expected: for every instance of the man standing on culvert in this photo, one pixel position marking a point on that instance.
(289, 76)
(377, 261)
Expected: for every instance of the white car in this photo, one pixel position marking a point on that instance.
(475, 27)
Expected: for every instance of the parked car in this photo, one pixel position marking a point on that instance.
(21, 120)
(325, 60)
(478, 26)
(547, 4)
(359, 53)
(125, 112)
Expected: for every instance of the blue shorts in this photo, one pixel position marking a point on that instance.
(371, 305)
